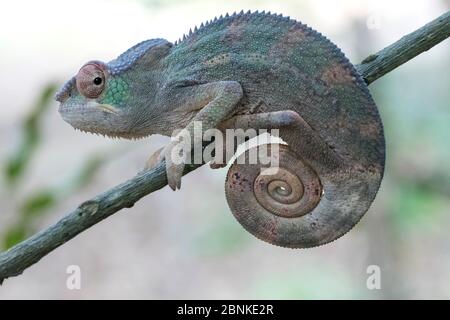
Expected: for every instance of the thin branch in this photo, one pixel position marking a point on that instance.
(378, 64)
(23, 255)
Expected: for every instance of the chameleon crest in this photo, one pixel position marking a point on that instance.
(241, 71)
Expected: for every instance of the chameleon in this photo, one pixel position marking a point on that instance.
(249, 70)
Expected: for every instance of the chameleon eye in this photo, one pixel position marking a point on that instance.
(91, 80)
(98, 81)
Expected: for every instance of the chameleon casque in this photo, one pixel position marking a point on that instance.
(250, 70)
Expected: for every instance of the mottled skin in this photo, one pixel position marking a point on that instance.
(250, 70)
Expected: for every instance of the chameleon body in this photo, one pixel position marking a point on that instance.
(250, 70)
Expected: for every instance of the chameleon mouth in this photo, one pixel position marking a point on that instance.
(90, 106)
(107, 108)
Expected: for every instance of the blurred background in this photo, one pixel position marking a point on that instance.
(186, 245)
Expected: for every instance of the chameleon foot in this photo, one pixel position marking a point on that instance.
(175, 155)
(174, 167)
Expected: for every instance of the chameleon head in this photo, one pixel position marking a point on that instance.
(95, 101)
(115, 98)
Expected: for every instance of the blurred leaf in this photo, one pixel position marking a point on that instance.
(32, 207)
(88, 171)
(14, 235)
(414, 206)
(38, 203)
(16, 165)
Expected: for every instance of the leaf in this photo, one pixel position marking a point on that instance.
(16, 165)
(37, 204)
(14, 235)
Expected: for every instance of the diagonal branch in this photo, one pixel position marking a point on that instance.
(378, 64)
(23, 255)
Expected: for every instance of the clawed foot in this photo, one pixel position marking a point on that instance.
(175, 156)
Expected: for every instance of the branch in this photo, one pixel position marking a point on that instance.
(378, 64)
(23, 255)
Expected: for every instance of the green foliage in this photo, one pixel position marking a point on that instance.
(32, 208)
(14, 235)
(38, 204)
(87, 172)
(18, 162)
(414, 206)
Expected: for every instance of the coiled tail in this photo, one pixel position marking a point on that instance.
(313, 196)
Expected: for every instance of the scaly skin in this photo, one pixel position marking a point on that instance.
(251, 70)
